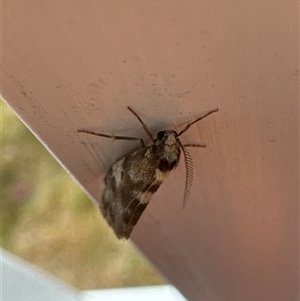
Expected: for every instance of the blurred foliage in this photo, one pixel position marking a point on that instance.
(49, 221)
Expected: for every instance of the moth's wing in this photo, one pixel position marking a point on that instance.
(127, 190)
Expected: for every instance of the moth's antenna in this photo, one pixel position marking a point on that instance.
(143, 124)
(188, 174)
(198, 119)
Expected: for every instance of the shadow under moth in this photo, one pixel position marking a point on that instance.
(131, 181)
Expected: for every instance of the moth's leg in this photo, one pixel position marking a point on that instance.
(143, 124)
(141, 141)
(198, 119)
(195, 145)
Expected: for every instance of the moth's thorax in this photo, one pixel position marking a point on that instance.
(167, 150)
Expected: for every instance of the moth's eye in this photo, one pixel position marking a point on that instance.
(160, 135)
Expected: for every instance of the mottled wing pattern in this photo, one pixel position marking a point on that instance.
(127, 189)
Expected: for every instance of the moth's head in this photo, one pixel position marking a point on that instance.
(167, 137)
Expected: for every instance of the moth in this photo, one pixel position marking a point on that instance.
(132, 180)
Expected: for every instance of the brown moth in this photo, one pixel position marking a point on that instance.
(131, 181)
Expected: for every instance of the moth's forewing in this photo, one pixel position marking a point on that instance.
(131, 181)
(124, 194)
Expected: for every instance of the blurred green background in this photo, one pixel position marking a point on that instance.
(48, 220)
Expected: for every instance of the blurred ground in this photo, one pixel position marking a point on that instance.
(48, 220)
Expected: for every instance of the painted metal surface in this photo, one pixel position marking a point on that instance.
(72, 64)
